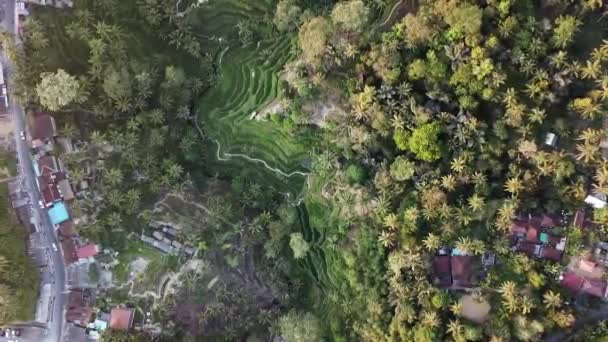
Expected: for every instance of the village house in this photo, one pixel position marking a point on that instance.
(67, 237)
(455, 270)
(43, 132)
(121, 318)
(529, 236)
(79, 310)
(87, 252)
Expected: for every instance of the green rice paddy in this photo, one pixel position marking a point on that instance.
(248, 80)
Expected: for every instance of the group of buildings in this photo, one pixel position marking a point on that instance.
(56, 190)
(165, 238)
(92, 324)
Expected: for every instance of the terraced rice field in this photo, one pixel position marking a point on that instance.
(248, 81)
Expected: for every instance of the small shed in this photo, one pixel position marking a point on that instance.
(550, 139)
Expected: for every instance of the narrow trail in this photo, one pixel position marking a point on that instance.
(228, 156)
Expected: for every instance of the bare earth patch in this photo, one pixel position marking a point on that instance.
(473, 309)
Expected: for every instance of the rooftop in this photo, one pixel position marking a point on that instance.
(121, 318)
(58, 213)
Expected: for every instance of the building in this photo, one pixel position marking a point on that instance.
(121, 318)
(453, 270)
(65, 188)
(58, 213)
(87, 251)
(78, 310)
(581, 285)
(50, 193)
(47, 165)
(530, 238)
(550, 139)
(44, 131)
(600, 254)
(595, 202)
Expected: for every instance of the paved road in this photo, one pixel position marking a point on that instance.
(56, 267)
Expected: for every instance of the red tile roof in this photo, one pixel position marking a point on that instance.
(69, 251)
(549, 220)
(532, 234)
(577, 284)
(519, 227)
(572, 282)
(594, 287)
(87, 251)
(50, 193)
(550, 253)
(121, 318)
(527, 247)
(442, 272)
(43, 127)
(462, 270)
(48, 165)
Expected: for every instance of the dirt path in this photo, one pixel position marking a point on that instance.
(229, 156)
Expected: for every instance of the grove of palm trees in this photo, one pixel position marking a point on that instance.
(358, 170)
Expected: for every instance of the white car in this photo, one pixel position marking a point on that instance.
(22, 135)
(41, 204)
(55, 247)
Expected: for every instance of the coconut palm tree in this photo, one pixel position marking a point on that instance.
(391, 221)
(552, 300)
(448, 182)
(476, 202)
(386, 239)
(456, 329)
(591, 69)
(458, 164)
(587, 152)
(430, 319)
(526, 304)
(432, 242)
(513, 185)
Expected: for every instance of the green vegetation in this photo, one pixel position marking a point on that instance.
(18, 276)
(320, 155)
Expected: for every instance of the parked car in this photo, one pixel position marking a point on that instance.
(22, 135)
(41, 204)
(55, 247)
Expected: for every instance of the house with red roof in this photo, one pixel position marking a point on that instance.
(78, 308)
(577, 284)
(121, 318)
(532, 238)
(50, 193)
(87, 251)
(455, 270)
(43, 130)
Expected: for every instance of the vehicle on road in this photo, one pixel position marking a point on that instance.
(22, 135)
(55, 247)
(41, 204)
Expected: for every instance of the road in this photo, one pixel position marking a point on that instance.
(56, 267)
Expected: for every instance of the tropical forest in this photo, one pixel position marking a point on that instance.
(347, 170)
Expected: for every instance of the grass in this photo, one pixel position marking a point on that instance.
(21, 275)
(133, 250)
(8, 161)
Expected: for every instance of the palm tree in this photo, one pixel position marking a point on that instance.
(448, 182)
(411, 214)
(590, 135)
(592, 69)
(156, 116)
(458, 164)
(587, 152)
(113, 176)
(464, 244)
(430, 319)
(513, 185)
(391, 221)
(432, 242)
(559, 59)
(387, 239)
(507, 289)
(552, 300)
(397, 122)
(456, 329)
(476, 202)
(537, 115)
(526, 304)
